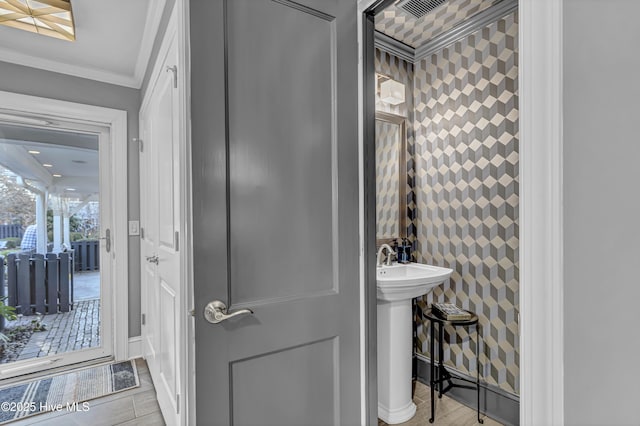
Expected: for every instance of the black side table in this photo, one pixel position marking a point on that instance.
(439, 374)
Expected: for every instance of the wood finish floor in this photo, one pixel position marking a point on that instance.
(139, 407)
(136, 406)
(449, 412)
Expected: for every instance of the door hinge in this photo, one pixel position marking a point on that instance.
(174, 70)
(176, 242)
(178, 403)
(192, 312)
(143, 320)
(142, 232)
(140, 144)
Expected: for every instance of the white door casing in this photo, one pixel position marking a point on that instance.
(110, 127)
(541, 267)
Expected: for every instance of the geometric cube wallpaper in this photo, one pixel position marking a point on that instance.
(464, 196)
(400, 25)
(466, 186)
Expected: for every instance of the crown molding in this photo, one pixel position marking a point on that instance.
(151, 26)
(471, 25)
(394, 47)
(14, 57)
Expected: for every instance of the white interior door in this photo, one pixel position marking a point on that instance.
(160, 217)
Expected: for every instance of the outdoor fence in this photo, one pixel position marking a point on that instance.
(86, 255)
(11, 231)
(37, 283)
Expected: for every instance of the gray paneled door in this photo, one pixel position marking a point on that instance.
(275, 203)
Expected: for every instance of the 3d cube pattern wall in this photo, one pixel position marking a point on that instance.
(402, 26)
(466, 187)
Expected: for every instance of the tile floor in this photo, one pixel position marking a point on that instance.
(139, 407)
(136, 406)
(449, 412)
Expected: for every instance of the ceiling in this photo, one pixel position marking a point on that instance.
(64, 162)
(405, 28)
(113, 43)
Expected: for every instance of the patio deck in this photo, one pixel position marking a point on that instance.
(68, 331)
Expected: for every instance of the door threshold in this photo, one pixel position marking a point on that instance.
(50, 372)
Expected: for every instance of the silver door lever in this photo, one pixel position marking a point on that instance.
(153, 259)
(216, 311)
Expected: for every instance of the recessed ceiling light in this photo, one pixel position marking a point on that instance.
(57, 175)
(70, 189)
(47, 165)
(33, 151)
(53, 18)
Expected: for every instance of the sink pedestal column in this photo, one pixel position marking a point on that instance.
(395, 334)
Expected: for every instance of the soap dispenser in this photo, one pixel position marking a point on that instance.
(404, 252)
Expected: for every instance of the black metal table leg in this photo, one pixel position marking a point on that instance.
(478, 369)
(441, 372)
(433, 371)
(438, 372)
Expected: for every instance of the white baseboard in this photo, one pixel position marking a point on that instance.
(135, 347)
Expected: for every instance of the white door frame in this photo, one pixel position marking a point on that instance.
(188, 330)
(541, 225)
(178, 26)
(116, 120)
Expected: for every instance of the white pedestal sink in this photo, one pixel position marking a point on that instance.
(397, 284)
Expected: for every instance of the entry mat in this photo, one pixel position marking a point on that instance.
(66, 392)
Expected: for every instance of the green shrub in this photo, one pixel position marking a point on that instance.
(7, 312)
(12, 242)
(76, 236)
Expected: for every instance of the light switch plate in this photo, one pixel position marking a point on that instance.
(134, 227)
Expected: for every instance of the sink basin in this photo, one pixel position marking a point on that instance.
(397, 284)
(406, 281)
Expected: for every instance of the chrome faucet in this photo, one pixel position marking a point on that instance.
(390, 253)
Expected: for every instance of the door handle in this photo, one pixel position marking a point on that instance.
(216, 311)
(107, 238)
(153, 259)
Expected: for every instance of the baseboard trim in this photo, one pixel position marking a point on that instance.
(494, 402)
(135, 347)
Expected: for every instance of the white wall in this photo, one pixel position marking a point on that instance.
(602, 211)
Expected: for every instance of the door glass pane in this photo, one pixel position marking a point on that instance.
(49, 242)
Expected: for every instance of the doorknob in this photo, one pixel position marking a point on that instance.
(153, 259)
(216, 311)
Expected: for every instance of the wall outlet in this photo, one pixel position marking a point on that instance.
(134, 227)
